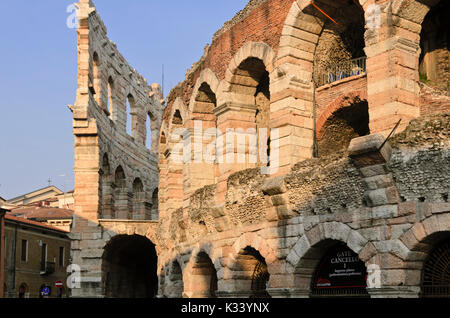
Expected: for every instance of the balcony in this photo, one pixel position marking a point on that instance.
(47, 268)
(343, 70)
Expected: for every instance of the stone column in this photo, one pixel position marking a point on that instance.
(392, 72)
(231, 117)
(291, 113)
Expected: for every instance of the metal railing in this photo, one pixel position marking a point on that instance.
(343, 70)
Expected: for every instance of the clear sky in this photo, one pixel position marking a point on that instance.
(38, 65)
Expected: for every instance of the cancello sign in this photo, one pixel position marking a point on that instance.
(340, 268)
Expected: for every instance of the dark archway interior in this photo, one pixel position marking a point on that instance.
(434, 60)
(251, 261)
(206, 283)
(436, 270)
(251, 78)
(339, 42)
(338, 272)
(344, 125)
(175, 286)
(129, 267)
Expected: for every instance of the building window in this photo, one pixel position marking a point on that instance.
(24, 255)
(61, 256)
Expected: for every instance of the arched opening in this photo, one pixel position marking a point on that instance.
(342, 126)
(338, 271)
(121, 202)
(203, 278)
(434, 65)
(340, 49)
(253, 274)
(129, 265)
(436, 269)
(163, 138)
(139, 205)
(177, 119)
(95, 82)
(151, 131)
(155, 206)
(109, 100)
(175, 285)
(131, 123)
(202, 172)
(251, 80)
(107, 193)
(23, 291)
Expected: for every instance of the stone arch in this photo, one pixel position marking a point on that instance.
(201, 171)
(435, 47)
(256, 50)
(202, 272)
(250, 255)
(173, 282)
(255, 241)
(95, 85)
(179, 107)
(245, 96)
(411, 10)
(308, 251)
(129, 264)
(206, 76)
(345, 118)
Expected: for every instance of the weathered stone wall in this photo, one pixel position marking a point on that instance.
(385, 203)
(115, 174)
(433, 100)
(372, 206)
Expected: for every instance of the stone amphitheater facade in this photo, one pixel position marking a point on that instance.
(354, 160)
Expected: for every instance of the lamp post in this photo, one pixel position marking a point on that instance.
(2, 251)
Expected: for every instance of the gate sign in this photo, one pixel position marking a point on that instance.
(340, 268)
(59, 284)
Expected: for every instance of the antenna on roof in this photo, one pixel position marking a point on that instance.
(49, 182)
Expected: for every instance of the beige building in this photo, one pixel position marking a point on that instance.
(36, 258)
(60, 218)
(49, 196)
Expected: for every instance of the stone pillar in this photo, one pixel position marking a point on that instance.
(291, 112)
(122, 200)
(200, 170)
(231, 117)
(392, 73)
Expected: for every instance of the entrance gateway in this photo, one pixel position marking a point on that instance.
(340, 273)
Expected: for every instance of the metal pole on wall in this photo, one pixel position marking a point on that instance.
(2, 251)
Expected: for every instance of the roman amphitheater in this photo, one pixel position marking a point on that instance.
(306, 154)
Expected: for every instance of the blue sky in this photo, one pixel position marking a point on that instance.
(38, 65)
